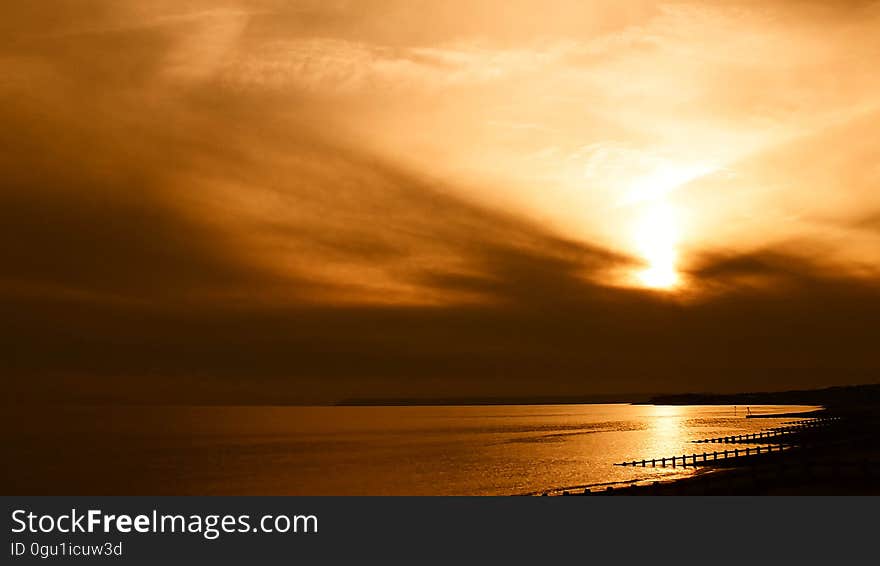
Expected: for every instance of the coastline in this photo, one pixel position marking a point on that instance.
(842, 457)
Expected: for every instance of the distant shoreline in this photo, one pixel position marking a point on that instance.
(826, 397)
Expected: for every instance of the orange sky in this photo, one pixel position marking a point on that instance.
(400, 170)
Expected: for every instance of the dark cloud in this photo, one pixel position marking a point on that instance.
(586, 339)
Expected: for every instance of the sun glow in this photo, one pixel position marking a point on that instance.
(657, 238)
(657, 229)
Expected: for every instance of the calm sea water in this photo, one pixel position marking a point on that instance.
(460, 450)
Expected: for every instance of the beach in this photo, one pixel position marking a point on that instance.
(833, 452)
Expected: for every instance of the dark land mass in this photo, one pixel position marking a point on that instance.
(831, 397)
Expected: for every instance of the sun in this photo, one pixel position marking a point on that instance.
(657, 237)
(659, 278)
(656, 231)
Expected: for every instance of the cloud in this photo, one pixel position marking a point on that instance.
(257, 202)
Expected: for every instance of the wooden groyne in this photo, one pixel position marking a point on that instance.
(705, 458)
(770, 441)
(772, 436)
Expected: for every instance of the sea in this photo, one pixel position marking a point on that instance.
(398, 450)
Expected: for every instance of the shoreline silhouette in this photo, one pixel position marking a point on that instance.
(837, 454)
